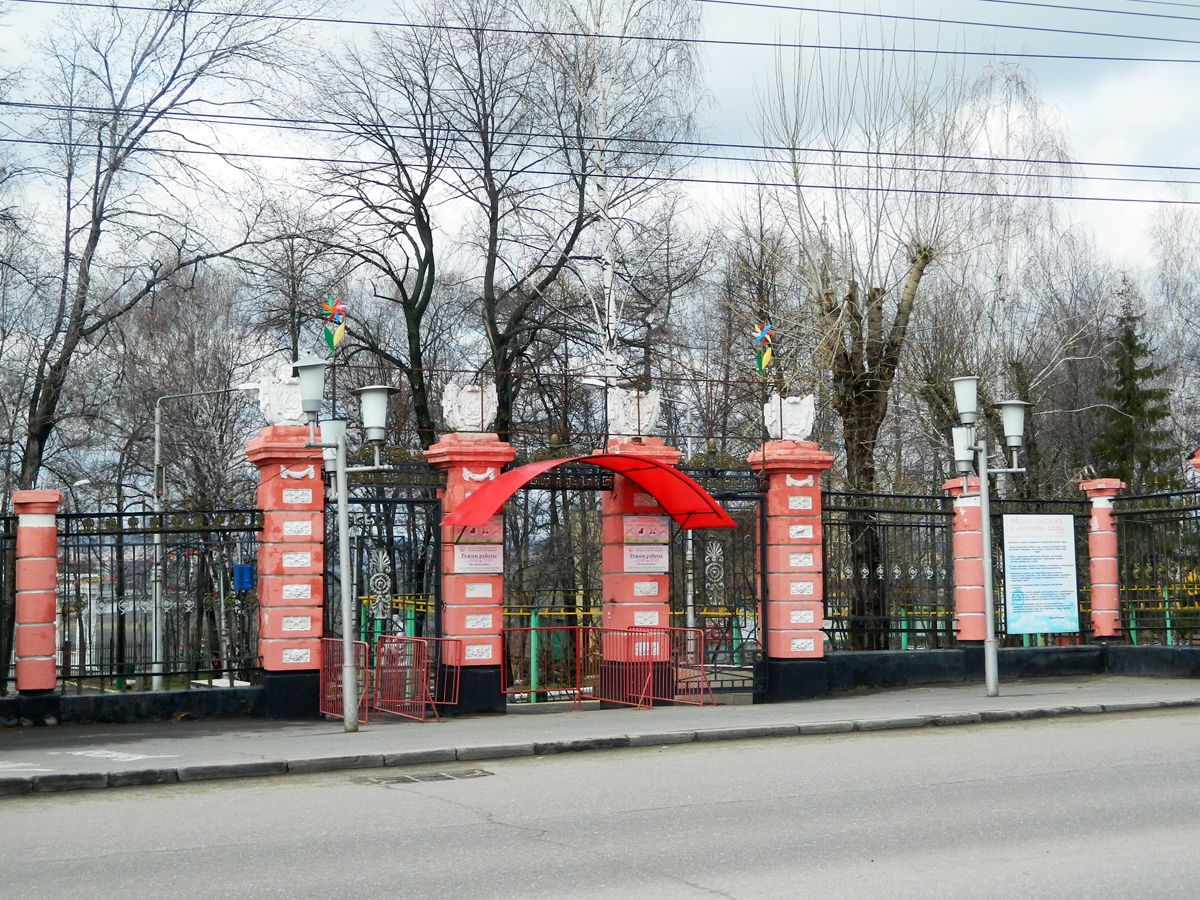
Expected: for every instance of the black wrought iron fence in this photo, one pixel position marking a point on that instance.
(151, 601)
(1158, 555)
(888, 571)
(8, 596)
(1080, 511)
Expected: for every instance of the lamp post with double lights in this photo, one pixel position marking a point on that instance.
(373, 400)
(966, 446)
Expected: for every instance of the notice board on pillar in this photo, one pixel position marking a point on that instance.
(1041, 591)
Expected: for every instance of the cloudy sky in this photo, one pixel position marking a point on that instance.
(1141, 113)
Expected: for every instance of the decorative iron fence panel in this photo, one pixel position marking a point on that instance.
(395, 552)
(888, 571)
(8, 597)
(1080, 510)
(715, 583)
(108, 568)
(1158, 554)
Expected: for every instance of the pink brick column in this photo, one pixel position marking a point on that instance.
(37, 589)
(795, 582)
(1102, 554)
(291, 549)
(473, 567)
(967, 549)
(635, 561)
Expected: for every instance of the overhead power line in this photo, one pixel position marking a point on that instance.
(657, 179)
(344, 127)
(1044, 29)
(668, 39)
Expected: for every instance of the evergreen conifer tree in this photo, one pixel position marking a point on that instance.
(1136, 443)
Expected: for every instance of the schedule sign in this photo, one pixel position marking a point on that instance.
(1041, 595)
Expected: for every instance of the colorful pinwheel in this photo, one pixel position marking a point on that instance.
(334, 311)
(762, 346)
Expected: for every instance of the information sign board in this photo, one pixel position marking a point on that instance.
(1041, 595)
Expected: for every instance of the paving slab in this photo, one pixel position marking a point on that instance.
(91, 756)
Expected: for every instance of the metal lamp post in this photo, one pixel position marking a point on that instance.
(966, 444)
(156, 664)
(373, 400)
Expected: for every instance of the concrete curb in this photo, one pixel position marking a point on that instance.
(16, 785)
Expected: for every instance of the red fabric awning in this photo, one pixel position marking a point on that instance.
(684, 500)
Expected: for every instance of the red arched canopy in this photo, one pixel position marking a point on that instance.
(685, 501)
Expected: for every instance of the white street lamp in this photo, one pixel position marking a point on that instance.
(311, 372)
(1012, 414)
(332, 430)
(374, 401)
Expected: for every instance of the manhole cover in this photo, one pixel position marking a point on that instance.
(431, 776)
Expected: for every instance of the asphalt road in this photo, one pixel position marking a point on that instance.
(1095, 806)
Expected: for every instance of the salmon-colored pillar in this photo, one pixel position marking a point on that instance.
(473, 567)
(37, 590)
(1102, 557)
(795, 604)
(970, 624)
(635, 533)
(291, 567)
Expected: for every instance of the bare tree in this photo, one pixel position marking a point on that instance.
(125, 88)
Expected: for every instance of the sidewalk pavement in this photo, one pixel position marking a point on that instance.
(99, 756)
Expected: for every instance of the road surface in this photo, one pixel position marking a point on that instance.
(1091, 806)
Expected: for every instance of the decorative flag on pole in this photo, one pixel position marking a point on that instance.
(762, 346)
(334, 311)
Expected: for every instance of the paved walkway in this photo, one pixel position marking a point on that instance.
(100, 756)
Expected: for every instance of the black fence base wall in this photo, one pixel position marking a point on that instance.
(1161, 662)
(1030, 662)
(131, 706)
(291, 695)
(479, 691)
(895, 668)
(794, 679)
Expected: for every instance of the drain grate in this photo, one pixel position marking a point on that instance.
(432, 776)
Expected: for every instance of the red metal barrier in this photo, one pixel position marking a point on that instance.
(543, 664)
(330, 702)
(402, 677)
(638, 667)
(415, 675)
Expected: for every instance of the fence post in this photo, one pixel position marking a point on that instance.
(634, 561)
(473, 568)
(1102, 557)
(37, 590)
(795, 585)
(291, 570)
(967, 551)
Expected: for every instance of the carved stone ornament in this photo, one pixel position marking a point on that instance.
(790, 418)
(279, 398)
(632, 413)
(470, 408)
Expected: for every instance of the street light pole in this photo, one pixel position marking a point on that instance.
(966, 444)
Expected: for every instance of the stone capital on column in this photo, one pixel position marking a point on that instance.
(649, 447)
(1103, 489)
(469, 460)
(780, 457)
(36, 503)
(954, 486)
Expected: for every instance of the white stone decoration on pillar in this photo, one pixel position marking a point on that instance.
(632, 413)
(790, 418)
(469, 408)
(279, 398)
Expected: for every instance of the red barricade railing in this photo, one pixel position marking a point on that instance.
(543, 664)
(637, 667)
(330, 702)
(415, 675)
(402, 677)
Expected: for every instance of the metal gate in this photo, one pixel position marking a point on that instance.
(716, 584)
